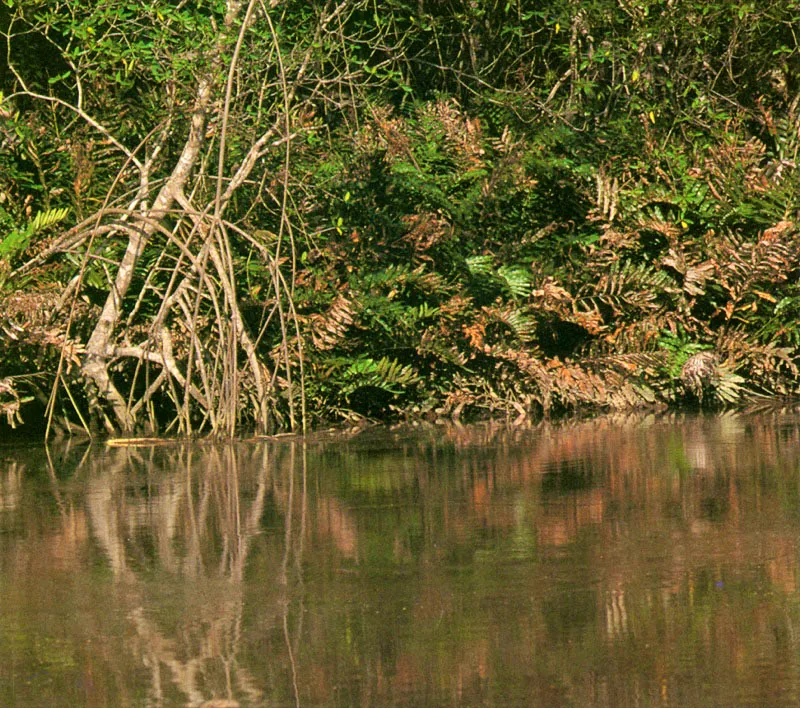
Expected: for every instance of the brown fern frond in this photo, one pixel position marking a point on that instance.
(425, 230)
(464, 135)
(731, 168)
(606, 196)
(329, 330)
(455, 306)
(626, 376)
(769, 367)
(575, 385)
(631, 364)
(427, 281)
(506, 144)
(637, 336)
(627, 286)
(524, 361)
(551, 296)
(385, 132)
(768, 260)
(589, 318)
(669, 230)
(695, 276)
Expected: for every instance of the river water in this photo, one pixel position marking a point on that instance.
(624, 561)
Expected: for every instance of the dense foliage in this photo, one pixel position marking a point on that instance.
(226, 215)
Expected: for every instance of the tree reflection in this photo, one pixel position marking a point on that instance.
(182, 511)
(600, 562)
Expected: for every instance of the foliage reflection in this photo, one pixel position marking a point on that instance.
(597, 563)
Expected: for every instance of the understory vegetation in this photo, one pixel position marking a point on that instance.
(227, 216)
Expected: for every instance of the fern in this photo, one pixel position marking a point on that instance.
(45, 219)
(630, 285)
(728, 386)
(17, 241)
(396, 277)
(330, 329)
(518, 321)
(480, 265)
(679, 350)
(391, 275)
(385, 373)
(412, 318)
(770, 368)
(751, 266)
(514, 280)
(517, 279)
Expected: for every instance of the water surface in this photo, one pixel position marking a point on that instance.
(637, 561)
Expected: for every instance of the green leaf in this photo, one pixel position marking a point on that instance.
(517, 279)
(480, 265)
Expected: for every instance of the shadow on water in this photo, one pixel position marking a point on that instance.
(618, 561)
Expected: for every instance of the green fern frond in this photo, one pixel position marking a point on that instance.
(422, 312)
(401, 276)
(517, 279)
(44, 219)
(385, 373)
(13, 243)
(390, 275)
(787, 133)
(18, 240)
(480, 265)
(679, 350)
(520, 322)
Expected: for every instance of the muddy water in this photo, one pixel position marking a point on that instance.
(615, 562)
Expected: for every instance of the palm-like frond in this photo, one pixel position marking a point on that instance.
(517, 279)
(385, 373)
(627, 285)
(330, 329)
(17, 241)
(520, 321)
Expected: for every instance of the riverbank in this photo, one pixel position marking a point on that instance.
(597, 210)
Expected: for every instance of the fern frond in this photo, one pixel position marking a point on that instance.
(787, 134)
(385, 373)
(631, 364)
(517, 279)
(767, 367)
(728, 386)
(400, 276)
(638, 335)
(769, 260)
(522, 323)
(391, 275)
(631, 285)
(480, 265)
(18, 240)
(414, 315)
(329, 329)
(45, 219)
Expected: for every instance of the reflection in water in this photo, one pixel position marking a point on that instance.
(640, 561)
